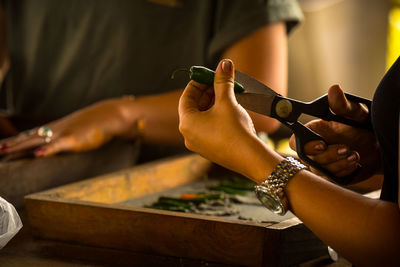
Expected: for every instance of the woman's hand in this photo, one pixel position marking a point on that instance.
(83, 130)
(214, 124)
(349, 145)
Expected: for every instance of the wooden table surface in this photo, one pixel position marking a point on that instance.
(25, 250)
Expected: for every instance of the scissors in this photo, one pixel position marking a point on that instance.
(261, 99)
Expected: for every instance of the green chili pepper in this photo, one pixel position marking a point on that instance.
(238, 183)
(228, 190)
(206, 76)
(173, 202)
(201, 198)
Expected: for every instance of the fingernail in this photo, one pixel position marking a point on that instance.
(227, 66)
(342, 151)
(352, 157)
(39, 152)
(320, 146)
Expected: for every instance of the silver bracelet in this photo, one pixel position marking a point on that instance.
(271, 191)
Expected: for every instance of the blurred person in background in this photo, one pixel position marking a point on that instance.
(68, 55)
(79, 73)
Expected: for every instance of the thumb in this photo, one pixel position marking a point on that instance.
(341, 106)
(224, 81)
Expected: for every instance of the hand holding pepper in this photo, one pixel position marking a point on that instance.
(216, 126)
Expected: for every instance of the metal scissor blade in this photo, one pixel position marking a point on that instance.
(258, 103)
(251, 85)
(257, 96)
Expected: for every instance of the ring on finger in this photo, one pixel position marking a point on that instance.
(46, 133)
(27, 133)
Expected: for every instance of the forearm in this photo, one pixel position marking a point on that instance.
(156, 116)
(363, 230)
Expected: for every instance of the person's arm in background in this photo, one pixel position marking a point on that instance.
(155, 117)
(263, 55)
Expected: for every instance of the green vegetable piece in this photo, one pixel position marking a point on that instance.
(173, 202)
(206, 76)
(203, 198)
(228, 190)
(184, 205)
(239, 183)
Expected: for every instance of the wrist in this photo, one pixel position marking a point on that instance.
(261, 159)
(271, 192)
(133, 125)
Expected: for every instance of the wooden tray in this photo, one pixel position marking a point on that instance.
(90, 212)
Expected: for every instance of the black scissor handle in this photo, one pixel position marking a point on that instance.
(303, 135)
(328, 115)
(320, 108)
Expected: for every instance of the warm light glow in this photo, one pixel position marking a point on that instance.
(393, 39)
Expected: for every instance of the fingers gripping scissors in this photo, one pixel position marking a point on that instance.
(261, 99)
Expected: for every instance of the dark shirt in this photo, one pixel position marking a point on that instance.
(385, 119)
(67, 54)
